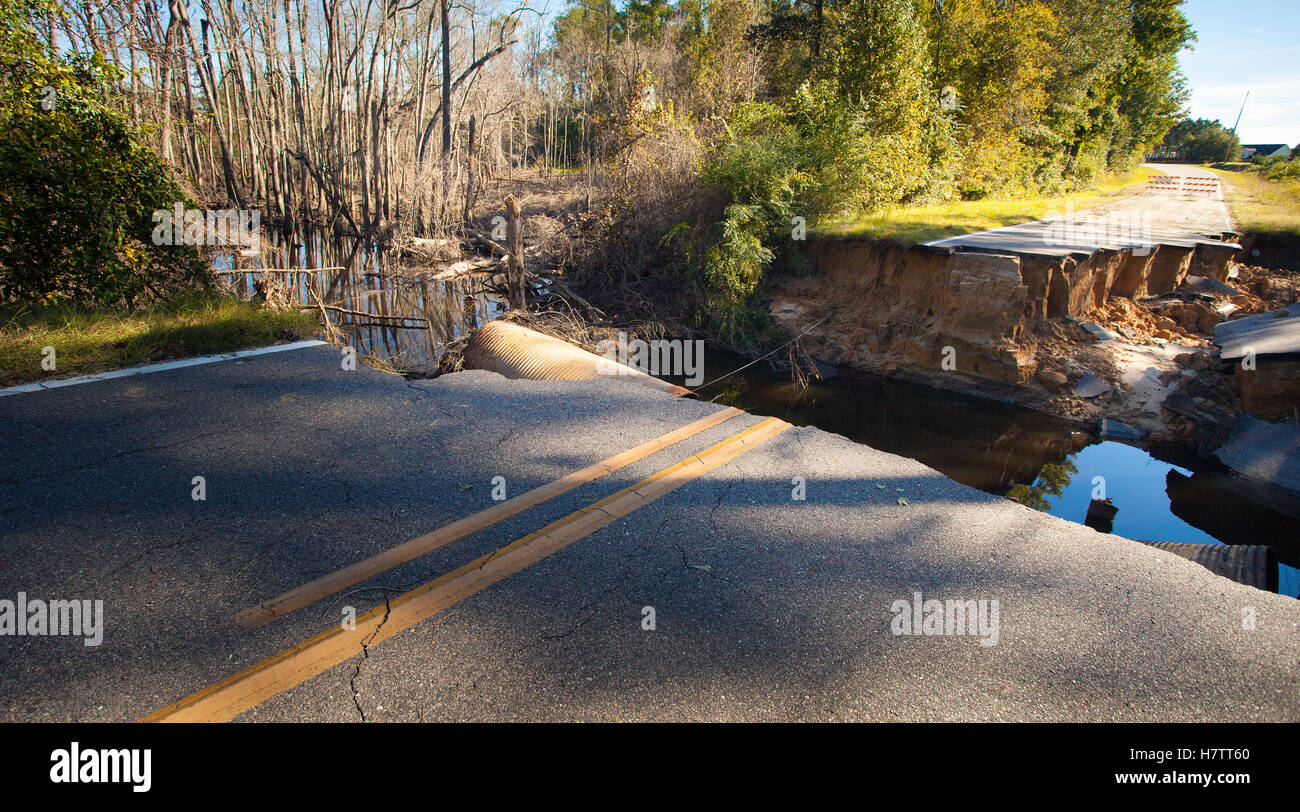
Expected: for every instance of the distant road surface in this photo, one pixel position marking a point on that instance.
(1177, 214)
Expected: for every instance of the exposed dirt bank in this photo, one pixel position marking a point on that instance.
(1272, 251)
(1115, 334)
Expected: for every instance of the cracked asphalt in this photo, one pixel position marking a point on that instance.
(765, 607)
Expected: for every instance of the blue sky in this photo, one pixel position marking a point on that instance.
(1246, 45)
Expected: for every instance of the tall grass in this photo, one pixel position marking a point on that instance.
(1260, 205)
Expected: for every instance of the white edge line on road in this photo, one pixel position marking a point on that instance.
(162, 367)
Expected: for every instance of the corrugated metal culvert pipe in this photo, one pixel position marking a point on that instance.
(1251, 564)
(518, 352)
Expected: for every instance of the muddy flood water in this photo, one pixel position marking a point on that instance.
(1035, 459)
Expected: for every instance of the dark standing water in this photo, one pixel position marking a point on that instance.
(1004, 450)
(379, 309)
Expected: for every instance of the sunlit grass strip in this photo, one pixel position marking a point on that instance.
(90, 341)
(917, 224)
(1262, 206)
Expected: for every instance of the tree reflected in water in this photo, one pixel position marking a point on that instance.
(1051, 481)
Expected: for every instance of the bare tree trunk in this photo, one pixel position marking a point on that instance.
(209, 90)
(515, 254)
(165, 83)
(446, 106)
(273, 124)
(469, 167)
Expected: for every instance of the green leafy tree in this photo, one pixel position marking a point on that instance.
(711, 37)
(995, 58)
(863, 132)
(1203, 141)
(1149, 91)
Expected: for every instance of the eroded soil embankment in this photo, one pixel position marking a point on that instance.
(1273, 251)
(1008, 326)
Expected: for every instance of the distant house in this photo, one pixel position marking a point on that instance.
(1249, 151)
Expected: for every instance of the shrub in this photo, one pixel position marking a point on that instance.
(821, 157)
(77, 186)
(1282, 169)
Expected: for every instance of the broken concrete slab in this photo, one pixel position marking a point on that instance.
(1267, 454)
(1273, 333)
(1097, 331)
(1209, 284)
(1270, 342)
(1090, 386)
(1118, 430)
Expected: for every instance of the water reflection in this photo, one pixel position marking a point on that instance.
(1051, 482)
(380, 305)
(1134, 481)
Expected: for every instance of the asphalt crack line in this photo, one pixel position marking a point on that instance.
(274, 675)
(725, 493)
(365, 655)
(438, 405)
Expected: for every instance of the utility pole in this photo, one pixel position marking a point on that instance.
(1228, 156)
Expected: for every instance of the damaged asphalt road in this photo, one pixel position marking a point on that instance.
(763, 606)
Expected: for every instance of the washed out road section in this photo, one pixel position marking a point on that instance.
(764, 606)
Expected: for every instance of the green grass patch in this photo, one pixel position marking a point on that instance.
(86, 341)
(1262, 206)
(917, 224)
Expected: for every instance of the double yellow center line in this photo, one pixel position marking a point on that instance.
(313, 591)
(231, 696)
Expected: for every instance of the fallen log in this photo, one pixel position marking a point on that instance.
(465, 267)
